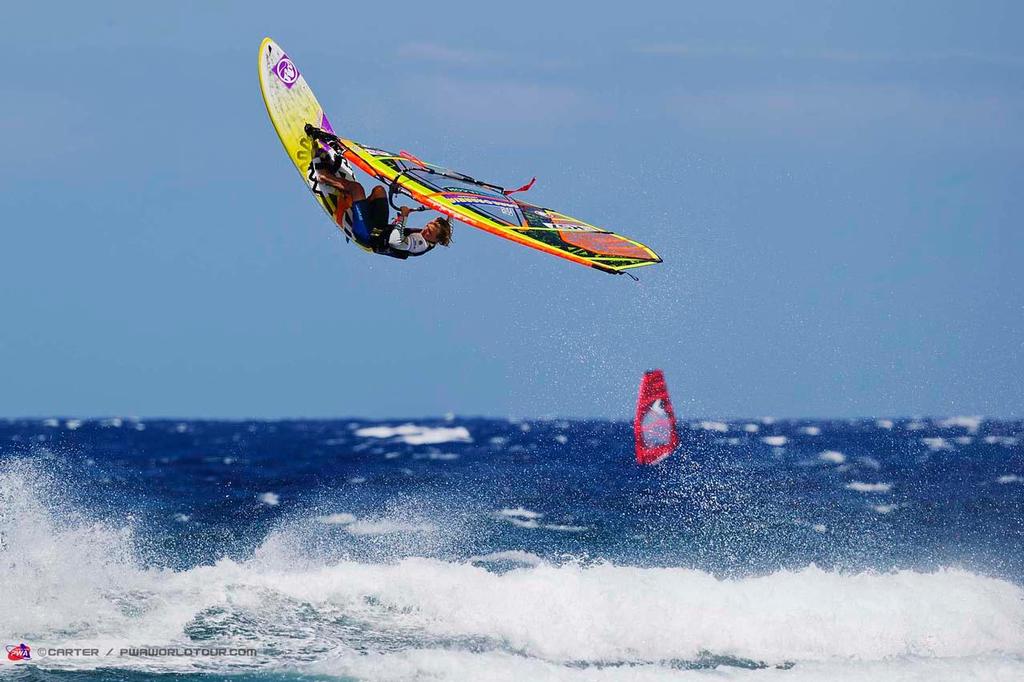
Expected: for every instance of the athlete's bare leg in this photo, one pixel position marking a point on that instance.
(349, 187)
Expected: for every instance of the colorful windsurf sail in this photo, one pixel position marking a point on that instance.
(654, 427)
(491, 208)
(305, 131)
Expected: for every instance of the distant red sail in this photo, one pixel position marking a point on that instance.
(654, 426)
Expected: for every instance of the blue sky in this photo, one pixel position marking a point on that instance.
(835, 189)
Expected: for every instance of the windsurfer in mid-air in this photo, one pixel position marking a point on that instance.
(365, 220)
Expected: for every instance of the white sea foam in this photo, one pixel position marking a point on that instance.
(1010, 478)
(524, 523)
(418, 435)
(79, 584)
(870, 462)
(564, 528)
(72, 424)
(775, 441)
(387, 527)
(561, 438)
(751, 428)
(516, 556)
(270, 499)
(884, 508)
(721, 427)
(1006, 441)
(970, 423)
(338, 519)
(937, 444)
(442, 456)
(519, 513)
(810, 430)
(832, 456)
(456, 665)
(884, 423)
(612, 613)
(869, 487)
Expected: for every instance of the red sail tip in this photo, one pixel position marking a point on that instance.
(524, 188)
(409, 157)
(654, 426)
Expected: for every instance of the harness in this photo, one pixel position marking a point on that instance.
(380, 238)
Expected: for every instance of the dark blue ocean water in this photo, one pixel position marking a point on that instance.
(478, 548)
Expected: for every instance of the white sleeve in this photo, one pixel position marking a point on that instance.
(413, 242)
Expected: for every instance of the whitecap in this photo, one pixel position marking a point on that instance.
(721, 427)
(775, 441)
(514, 556)
(1010, 478)
(337, 519)
(564, 528)
(270, 499)
(418, 435)
(387, 527)
(936, 444)
(524, 523)
(969, 423)
(869, 487)
(832, 456)
(520, 513)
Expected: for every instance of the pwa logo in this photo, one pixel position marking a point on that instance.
(287, 72)
(19, 652)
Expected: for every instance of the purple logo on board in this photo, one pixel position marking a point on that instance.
(287, 72)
